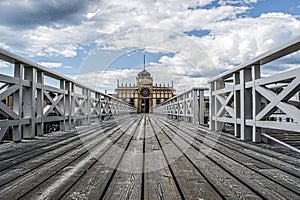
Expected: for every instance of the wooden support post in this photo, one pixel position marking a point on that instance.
(88, 106)
(196, 105)
(218, 124)
(212, 113)
(98, 106)
(63, 122)
(73, 105)
(17, 102)
(246, 104)
(185, 107)
(40, 104)
(237, 105)
(201, 107)
(256, 101)
(68, 105)
(29, 103)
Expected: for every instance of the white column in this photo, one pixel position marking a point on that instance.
(29, 103)
(68, 105)
(195, 108)
(40, 104)
(246, 104)
(201, 108)
(88, 105)
(218, 124)
(17, 102)
(73, 105)
(256, 101)
(212, 113)
(237, 105)
(64, 102)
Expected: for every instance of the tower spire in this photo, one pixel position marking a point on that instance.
(144, 62)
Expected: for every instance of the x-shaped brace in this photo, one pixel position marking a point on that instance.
(277, 100)
(225, 102)
(54, 101)
(7, 112)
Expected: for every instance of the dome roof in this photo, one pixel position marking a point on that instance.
(144, 73)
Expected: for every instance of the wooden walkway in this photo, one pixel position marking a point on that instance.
(146, 157)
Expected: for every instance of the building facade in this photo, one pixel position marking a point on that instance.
(144, 95)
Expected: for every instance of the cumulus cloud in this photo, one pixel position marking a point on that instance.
(61, 28)
(51, 28)
(53, 65)
(29, 14)
(234, 42)
(107, 80)
(4, 64)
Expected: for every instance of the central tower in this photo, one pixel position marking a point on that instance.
(145, 89)
(144, 95)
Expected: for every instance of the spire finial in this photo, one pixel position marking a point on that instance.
(144, 62)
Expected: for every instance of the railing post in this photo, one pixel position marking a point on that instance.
(246, 102)
(201, 106)
(88, 105)
(98, 108)
(40, 104)
(218, 125)
(68, 105)
(73, 105)
(29, 103)
(212, 113)
(63, 122)
(256, 101)
(185, 107)
(17, 102)
(195, 108)
(237, 105)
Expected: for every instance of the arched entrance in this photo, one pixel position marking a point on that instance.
(145, 106)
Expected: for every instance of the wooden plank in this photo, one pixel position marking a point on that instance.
(93, 183)
(244, 171)
(242, 146)
(127, 181)
(192, 184)
(159, 183)
(224, 182)
(280, 161)
(59, 180)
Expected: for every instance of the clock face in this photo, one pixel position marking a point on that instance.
(145, 92)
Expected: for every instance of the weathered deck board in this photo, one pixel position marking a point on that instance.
(146, 157)
(285, 174)
(190, 181)
(159, 183)
(224, 182)
(252, 178)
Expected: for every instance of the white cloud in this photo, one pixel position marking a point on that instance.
(176, 69)
(53, 65)
(234, 42)
(233, 2)
(106, 18)
(157, 26)
(4, 64)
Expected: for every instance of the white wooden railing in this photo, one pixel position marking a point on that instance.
(247, 101)
(27, 104)
(188, 107)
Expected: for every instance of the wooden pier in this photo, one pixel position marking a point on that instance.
(146, 157)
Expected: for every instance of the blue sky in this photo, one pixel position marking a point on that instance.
(188, 42)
